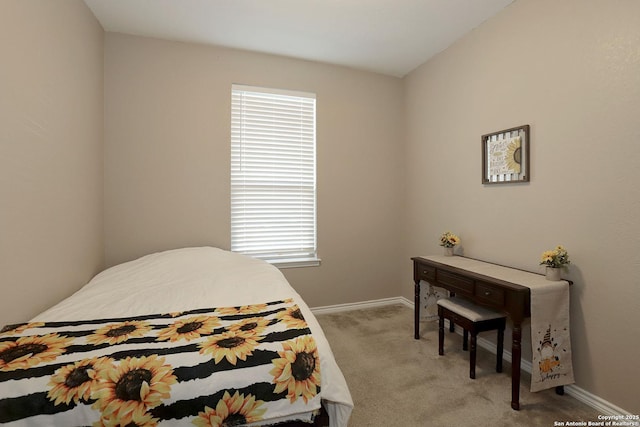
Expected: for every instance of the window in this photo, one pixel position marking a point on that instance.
(273, 175)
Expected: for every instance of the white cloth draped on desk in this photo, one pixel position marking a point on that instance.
(550, 335)
(550, 339)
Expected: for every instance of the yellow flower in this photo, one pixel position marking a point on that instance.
(244, 309)
(298, 369)
(256, 325)
(547, 256)
(145, 420)
(29, 351)
(559, 257)
(76, 381)
(292, 317)
(449, 240)
(232, 345)
(116, 333)
(231, 411)
(189, 329)
(127, 391)
(19, 328)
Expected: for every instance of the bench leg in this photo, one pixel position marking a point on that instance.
(472, 356)
(499, 350)
(441, 336)
(465, 340)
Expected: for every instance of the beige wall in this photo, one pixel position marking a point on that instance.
(167, 159)
(51, 132)
(570, 69)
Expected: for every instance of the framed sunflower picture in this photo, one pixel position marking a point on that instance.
(505, 156)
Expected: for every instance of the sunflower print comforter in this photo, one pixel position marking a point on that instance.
(209, 367)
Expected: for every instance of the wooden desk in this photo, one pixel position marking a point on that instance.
(513, 299)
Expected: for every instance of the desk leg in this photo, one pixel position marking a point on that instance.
(416, 311)
(516, 357)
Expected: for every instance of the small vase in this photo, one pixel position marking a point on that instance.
(448, 251)
(553, 273)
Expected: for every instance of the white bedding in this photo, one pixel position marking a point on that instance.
(193, 278)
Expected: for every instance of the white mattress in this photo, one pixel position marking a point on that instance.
(193, 278)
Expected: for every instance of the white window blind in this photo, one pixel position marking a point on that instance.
(273, 175)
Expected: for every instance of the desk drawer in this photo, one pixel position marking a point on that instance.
(425, 272)
(456, 283)
(489, 294)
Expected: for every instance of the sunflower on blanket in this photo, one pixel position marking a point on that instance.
(232, 345)
(256, 325)
(77, 380)
(243, 309)
(146, 420)
(298, 369)
(292, 317)
(125, 392)
(231, 411)
(18, 328)
(32, 350)
(115, 333)
(189, 329)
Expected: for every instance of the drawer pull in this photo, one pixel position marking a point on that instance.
(424, 271)
(487, 293)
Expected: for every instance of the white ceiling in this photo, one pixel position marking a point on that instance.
(386, 36)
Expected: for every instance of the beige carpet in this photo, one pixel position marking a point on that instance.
(396, 380)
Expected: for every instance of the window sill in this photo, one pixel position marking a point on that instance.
(296, 263)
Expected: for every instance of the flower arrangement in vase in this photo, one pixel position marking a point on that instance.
(554, 260)
(448, 240)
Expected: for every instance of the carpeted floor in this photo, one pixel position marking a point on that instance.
(396, 380)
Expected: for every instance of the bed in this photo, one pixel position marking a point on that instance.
(194, 336)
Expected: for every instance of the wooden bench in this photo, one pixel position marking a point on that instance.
(473, 319)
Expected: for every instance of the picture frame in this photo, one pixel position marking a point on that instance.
(505, 156)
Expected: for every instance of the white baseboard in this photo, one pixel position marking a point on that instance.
(589, 399)
(602, 406)
(360, 305)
